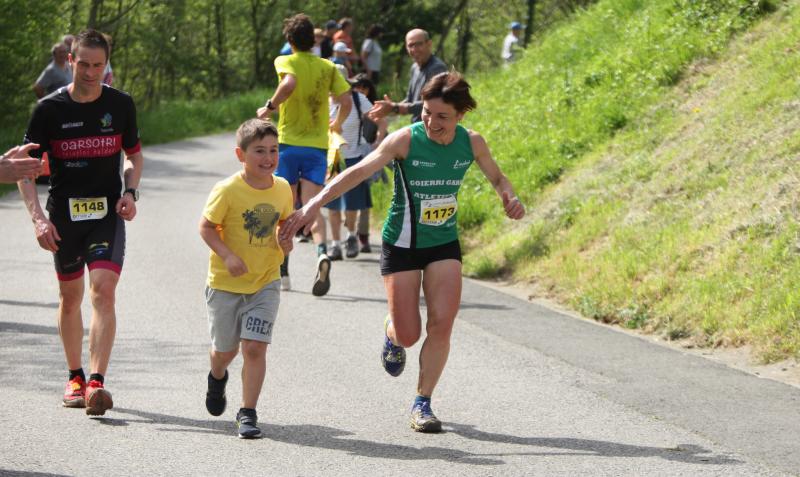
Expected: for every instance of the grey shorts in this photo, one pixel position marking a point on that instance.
(235, 316)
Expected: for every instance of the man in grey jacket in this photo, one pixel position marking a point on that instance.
(426, 66)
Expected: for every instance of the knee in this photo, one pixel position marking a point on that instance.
(406, 337)
(224, 356)
(439, 329)
(103, 294)
(253, 350)
(71, 302)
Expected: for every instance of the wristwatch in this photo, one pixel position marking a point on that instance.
(395, 108)
(134, 193)
(269, 104)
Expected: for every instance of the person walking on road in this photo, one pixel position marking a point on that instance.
(426, 66)
(85, 128)
(239, 224)
(306, 82)
(372, 53)
(56, 74)
(420, 239)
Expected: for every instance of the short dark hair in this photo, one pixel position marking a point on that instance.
(90, 39)
(254, 130)
(374, 31)
(299, 31)
(452, 88)
(345, 22)
(362, 80)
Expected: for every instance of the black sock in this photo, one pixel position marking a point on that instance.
(97, 377)
(74, 373)
(285, 266)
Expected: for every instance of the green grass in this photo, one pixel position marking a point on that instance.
(684, 222)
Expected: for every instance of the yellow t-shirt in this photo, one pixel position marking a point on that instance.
(246, 219)
(304, 115)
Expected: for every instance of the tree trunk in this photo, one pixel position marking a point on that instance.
(464, 39)
(94, 13)
(462, 4)
(219, 24)
(529, 26)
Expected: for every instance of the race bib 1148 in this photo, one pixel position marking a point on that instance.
(91, 208)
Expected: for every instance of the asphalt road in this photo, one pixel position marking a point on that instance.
(527, 391)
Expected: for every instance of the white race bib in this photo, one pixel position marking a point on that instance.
(437, 211)
(91, 208)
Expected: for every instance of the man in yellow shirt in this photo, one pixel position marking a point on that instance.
(240, 224)
(306, 82)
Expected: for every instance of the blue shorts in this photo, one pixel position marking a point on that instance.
(357, 198)
(301, 162)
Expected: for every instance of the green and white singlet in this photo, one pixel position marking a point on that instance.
(424, 207)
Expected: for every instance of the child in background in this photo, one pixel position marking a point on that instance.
(240, 223)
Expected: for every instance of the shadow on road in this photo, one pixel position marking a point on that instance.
(308, 436)
(465, 305)
(687, 453)
(331, 438)
(220, 426)
(12, 327)
(22, 473)
(36, 304)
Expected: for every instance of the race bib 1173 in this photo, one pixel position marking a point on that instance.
(437, 211)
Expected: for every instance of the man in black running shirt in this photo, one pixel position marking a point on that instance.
(84, 128)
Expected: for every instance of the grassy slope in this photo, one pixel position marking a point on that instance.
(685, 223)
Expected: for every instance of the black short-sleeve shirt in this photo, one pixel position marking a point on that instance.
(84, 142)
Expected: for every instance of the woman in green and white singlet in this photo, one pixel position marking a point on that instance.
(420, 248)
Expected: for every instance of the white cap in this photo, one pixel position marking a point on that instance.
(341, 47)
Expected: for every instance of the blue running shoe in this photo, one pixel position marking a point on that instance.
(393, 357)
(423, 419)
(247, 422)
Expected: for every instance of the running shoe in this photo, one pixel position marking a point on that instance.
(322, 282)
(335, 253)
(423, 419)
(303, 238)
(247, 422)
(98, 400)
(393, 357)
(351, 247)
(286, 283)
(215, 395)
(75, 393)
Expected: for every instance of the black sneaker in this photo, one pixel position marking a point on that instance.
(322, 282)
(423, 419)
(351, 247)
(364, 239)
(393, 357)
(215, 396)
(247, 422)
(335, 253)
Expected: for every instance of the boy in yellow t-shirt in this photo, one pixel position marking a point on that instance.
(240, 224)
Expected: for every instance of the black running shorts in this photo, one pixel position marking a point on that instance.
(399, 259)
(94, 243)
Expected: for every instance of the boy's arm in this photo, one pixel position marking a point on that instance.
(209, 234)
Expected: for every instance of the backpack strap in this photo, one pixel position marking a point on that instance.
(357, 104)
